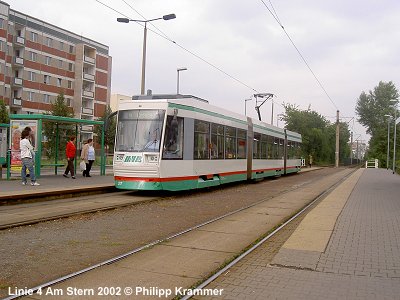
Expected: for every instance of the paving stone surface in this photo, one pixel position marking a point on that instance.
(361, 261)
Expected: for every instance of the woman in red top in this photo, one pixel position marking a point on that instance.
(70, 151)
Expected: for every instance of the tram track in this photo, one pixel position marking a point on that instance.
(67, 200)
(168, 238)
(66, 204)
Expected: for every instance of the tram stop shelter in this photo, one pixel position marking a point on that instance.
(36, 121)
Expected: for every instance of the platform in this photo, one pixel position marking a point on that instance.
(356, 256)
(52, 184)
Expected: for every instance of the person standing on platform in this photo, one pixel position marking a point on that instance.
(27, 157)
(88, 155)
(70, 152)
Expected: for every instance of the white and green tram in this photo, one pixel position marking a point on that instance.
(181, 142)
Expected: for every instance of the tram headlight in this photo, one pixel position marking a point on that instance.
(152, 158)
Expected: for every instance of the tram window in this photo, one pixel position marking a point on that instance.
(289, 150)
(297, 150)
(241, 143)
(230, 142)
(201, 139)
(173, 142)
(275, 153)
(280, 149)
(270, 147)
(264, 146)
(139, 130)
(217, 141)
(256, 145)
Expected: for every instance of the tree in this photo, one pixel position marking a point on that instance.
(371, 109)
(61, 109)
(109, 135)
(318, 134)
(4, 115)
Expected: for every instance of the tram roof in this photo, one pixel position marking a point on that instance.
(167, 97)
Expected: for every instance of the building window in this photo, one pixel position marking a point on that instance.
(70, 66)
(61, 46)
(34, 37)
(71, 49)
(31, 76)
(69, 84)
(47, 60)
(49, 42)
(68, 101)
(32, 56)
(46, 98)
(46, 79)
(31, 96)
(59, 82)
(1, 23)
(60, 63)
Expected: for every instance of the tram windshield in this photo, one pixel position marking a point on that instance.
(139, 130)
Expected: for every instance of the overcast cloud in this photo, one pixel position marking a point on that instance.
(350, 45)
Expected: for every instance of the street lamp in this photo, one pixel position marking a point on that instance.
(394, 138)
(177, 81)
(245, 105)
(126, 20)
(388, 141)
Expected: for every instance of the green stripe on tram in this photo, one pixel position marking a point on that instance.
(206, 112)
(178, 185)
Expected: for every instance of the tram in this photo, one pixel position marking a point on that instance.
(181, 142)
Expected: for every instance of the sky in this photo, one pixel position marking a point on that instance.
(349, 45)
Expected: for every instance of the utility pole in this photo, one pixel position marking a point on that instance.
(351, 148)
(272, 112)
(337, 140)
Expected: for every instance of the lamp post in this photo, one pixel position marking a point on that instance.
(388, 141)
(177, 81)
(394, 138)
(245, 105)
(126, 20)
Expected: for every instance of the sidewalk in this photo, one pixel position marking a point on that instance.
(355, 257)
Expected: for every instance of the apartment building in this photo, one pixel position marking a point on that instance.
(39, 60)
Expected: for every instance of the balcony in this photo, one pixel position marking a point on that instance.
(18, 81)
(19, 61)
(19, 40)
(88, 94)
(87, 111)
(88, 76)
(87, 128)
(89, 60)
(17, 102)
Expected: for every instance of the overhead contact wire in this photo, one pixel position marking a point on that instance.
(180, 46)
